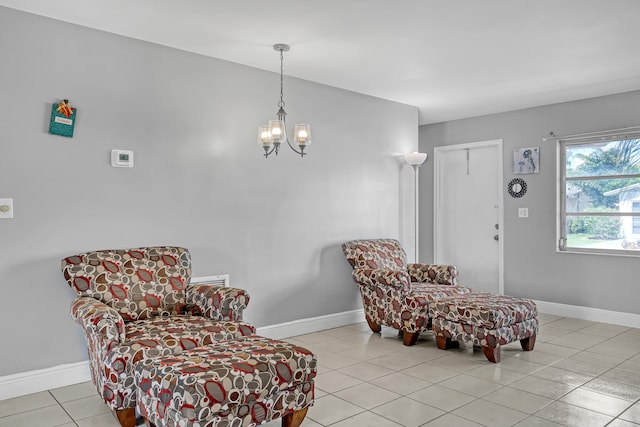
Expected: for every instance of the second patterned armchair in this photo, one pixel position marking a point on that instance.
(136, 304)
(394, 293)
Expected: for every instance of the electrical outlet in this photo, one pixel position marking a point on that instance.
(6, 208)
(523, 212)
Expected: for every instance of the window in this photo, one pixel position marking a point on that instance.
(600, 194)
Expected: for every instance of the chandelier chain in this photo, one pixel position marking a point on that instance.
(281, 103)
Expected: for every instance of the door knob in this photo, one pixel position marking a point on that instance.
(496, 238)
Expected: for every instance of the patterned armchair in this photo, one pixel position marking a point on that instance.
(394, 293)
(135, 304)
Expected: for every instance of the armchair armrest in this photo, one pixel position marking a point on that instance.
(99, 321)
(217, 302)
(433, 273)
(378, 277)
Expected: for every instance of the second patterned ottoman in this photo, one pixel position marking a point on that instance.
(485, 320)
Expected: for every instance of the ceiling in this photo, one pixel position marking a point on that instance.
(451, 59)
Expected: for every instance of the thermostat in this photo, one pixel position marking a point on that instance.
(122, 158)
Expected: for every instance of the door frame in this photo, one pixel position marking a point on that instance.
(437, 153)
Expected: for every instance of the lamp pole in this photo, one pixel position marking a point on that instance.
(415, 160)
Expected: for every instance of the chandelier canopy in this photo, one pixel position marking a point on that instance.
(270, 136)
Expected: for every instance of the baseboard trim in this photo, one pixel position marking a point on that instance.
(311, 324)
(73, 373)
(588, 313)
(25, 383)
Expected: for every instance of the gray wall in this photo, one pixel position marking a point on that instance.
(199, 181)
(533, 268)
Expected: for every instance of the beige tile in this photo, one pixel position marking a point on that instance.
(621, 423)
(450, 420)
(521, 366)
(542, 387)
(490, 414)
(571, 323)
(461, 362)
(470, 385)
(408, 412)
(578, 340)
(543, 347)
(544, 318)
(623, 348)
(366, 395)
(430, 372)
(400, 383)
(518, 400)
(366, 419)
(563, 376)
(365, 371)
(86, 407)
(597, 359)
(330, 409)
(570, 415)
(494, 372)
(622, 376)
(395, 362)
(632, 414)
(613, 388)
(333, 361)
(29, 402)
(334, 381)
(533, 421)
(630, 365)
(535, 356)
(104, 420)
(42, 417)
(73, 392)
(442, 398)
(575, 365)
(604, 404)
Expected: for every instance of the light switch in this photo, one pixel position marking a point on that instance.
(6, 208)
(523, 212)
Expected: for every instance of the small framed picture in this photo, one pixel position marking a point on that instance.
(526, 160)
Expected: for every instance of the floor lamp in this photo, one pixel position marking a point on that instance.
(415, 160)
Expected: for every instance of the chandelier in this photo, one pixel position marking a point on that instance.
(275, 133)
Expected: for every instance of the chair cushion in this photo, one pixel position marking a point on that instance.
(160, 336)
(139, 283)
(383, 254)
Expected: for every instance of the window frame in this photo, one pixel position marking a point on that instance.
(562, 214)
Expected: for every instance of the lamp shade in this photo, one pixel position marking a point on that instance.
(415, 158)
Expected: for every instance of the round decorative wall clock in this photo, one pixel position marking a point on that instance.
(517, 187)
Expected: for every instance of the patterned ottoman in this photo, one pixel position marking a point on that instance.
(241, 382)
(486, 320)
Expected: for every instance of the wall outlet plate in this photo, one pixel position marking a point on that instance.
(122, 158)
(6, 208)
(523, 212)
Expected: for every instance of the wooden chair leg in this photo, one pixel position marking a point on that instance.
(294, 419)
(443, 343)
(492, 354)
(527, 344)
(409, 338)
(126, 417)
(373, 325)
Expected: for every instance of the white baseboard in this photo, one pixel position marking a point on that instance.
(63, 375)
(311, 324)
(25, 383)
(588, 313)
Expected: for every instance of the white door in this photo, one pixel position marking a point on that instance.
(468, 213)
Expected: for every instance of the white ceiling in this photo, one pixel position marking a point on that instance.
(450, 58)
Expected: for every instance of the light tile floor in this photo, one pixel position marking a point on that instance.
(581, 373)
